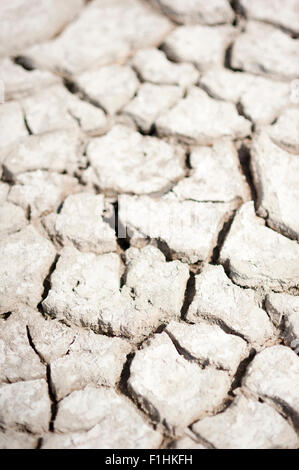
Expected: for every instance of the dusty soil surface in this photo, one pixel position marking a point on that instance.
(149, 224)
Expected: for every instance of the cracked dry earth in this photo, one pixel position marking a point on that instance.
(149, 224)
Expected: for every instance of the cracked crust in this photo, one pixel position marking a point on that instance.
(149, 224)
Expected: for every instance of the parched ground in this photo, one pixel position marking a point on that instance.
(149, 224)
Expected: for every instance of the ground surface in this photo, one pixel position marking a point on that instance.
(149, 224)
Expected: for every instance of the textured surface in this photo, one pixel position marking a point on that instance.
(149, 224)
